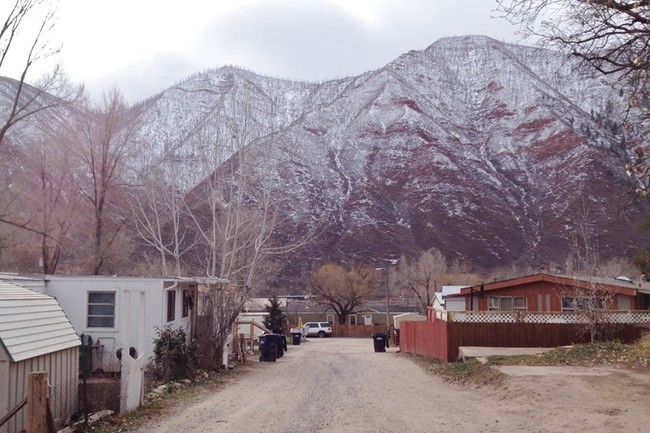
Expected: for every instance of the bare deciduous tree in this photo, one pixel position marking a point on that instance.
(158, 209)
(50, 90)
(102, 139)
(219, 306)
(236, 209)
(590, 299)
(344, 290)
(588, 296)
(612, 36)
(41, 201)
(584, 255)
(422, 276)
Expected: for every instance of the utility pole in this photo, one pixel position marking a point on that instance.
(386, 269)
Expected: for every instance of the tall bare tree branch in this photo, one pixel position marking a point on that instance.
(51, 90)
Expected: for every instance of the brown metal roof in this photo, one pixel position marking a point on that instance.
(616, 285)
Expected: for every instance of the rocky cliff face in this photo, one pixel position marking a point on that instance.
(484, 150)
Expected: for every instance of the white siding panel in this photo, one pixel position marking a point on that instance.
(62, 368)
(32, 324)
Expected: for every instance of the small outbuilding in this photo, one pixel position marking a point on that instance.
(408, 317)
(35, 336)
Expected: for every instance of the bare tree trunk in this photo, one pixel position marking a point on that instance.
(218, 310)
(41, 167)
(103, 141)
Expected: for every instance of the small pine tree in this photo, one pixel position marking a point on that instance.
(275, 317)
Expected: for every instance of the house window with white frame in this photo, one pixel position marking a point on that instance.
(101, 310)
(507, 303)
(352, 319)
(571, 303)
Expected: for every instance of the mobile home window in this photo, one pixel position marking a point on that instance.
(520, 303)
(582, 304)
(507, 303)
(171, 305)
(186, 303)
(101, 310)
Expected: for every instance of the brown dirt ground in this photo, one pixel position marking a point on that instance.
(342, 385)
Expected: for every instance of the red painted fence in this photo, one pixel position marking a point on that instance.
(441, 339)
(425, 338)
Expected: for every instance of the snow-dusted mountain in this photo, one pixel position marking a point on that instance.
(485, 150)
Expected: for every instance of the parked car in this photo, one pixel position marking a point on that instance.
(318, 329)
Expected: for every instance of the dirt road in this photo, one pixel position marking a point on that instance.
(342, 385)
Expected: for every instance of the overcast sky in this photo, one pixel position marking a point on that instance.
(144, 46)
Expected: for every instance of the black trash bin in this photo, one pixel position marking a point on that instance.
(295, 338)
(380, 340)
(279, 342)
(268, 351)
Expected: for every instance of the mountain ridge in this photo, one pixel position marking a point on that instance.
(486, 150)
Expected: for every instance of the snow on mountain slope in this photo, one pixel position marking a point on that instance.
(485, 150)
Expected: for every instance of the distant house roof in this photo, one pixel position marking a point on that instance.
(616, 285)
(32, 324)
(260, 304)
(306, 306)
(447, 290)
(39, 281)
(378, 308)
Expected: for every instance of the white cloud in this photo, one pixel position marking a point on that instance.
(144, 46)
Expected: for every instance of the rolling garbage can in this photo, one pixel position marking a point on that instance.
(295, 338)
(267, 348)
(279, 342)
(380, 341)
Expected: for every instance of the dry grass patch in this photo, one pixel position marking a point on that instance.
(469, 373)
(472, 373)
(633, 356)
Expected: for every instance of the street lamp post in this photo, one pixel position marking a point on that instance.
(390, 262)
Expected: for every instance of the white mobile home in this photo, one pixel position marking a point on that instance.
(35, 336)
(121, 312)
(442, 301)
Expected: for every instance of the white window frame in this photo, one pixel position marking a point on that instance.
(582, 303)
(90, 304)
(495, 303)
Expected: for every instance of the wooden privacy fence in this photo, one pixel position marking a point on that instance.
(440, 338)
(39, 416)
(357, 331)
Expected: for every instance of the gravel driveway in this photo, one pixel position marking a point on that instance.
(342, 385)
